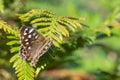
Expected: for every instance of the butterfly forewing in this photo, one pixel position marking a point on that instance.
(33, 44)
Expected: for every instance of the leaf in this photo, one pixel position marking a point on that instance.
(51, 26)
(13, 42)
(7, 28)
(11, 37)
(23, 69)
(14, 58)
(15, 49)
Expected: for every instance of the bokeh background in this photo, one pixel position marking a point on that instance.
(100, 60)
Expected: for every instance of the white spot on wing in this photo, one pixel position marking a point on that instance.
(29, 47)
(26, 39)
(25, 33)
(31, 30)
(29, 36)
(27, 43)
(26, 29)
(36, 36)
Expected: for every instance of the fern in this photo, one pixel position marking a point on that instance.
(7, 28)
(23, 70)
(51, 26)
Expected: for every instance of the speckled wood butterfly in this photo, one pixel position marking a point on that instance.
(33, 44)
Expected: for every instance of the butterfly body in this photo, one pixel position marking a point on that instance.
(33, 44)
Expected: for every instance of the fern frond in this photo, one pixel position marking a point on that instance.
(15, 49)
(33, 14)
(23, 70)
(51, 26)
(13, 42)
(7, 28)
(56, 28)
(11, 37)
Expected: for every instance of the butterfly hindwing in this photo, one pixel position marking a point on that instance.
(33, 44)
(39, 50)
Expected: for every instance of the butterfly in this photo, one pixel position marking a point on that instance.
(33, 44)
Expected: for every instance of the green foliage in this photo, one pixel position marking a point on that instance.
(56, 28)
(52, 26)
(103, 19)
(7, 28)
(1, 6)
(23, 69)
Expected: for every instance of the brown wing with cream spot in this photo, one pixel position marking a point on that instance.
(33, 44)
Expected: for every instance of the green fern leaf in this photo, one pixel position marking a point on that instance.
(56, 28)
(14, 58)
(23, 70)
(12, 37)
(13, 42)
(15, 49)
(50, 26)
(7, 28)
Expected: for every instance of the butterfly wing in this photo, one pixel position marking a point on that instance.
(33, 44)
(38, 49)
